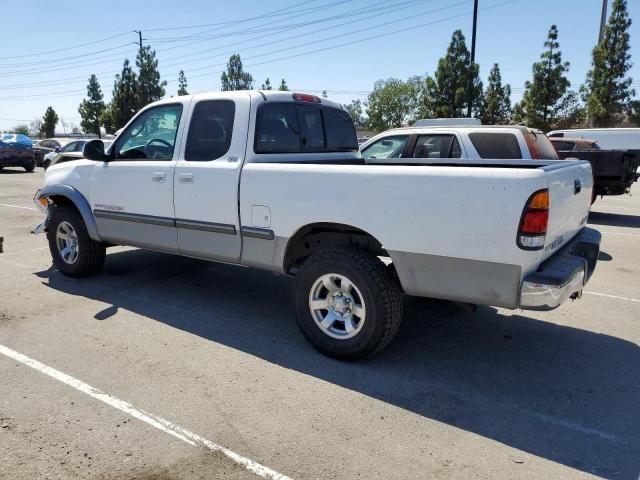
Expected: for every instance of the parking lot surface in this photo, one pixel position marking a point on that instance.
(213, 350)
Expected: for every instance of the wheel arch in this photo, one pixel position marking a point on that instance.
(67, 195)
(318, 236)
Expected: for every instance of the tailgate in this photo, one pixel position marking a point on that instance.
(570, 186)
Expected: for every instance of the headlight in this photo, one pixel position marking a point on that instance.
(41, 202)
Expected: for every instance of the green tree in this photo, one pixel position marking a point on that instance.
(356, 113)
(571, 113)
(543, 99)
(124, 101)
(324, 94)
(496, 106)
(21, 128)
(447, 95)
(92, 107)
(608, 92)
(235, 78)
(106, 120)
(49, 122)
(266, 85)
(182, 84)
(634, 112)
(283, 86)
(393, 103)
(150, 88)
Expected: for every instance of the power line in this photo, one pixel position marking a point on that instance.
(209, 56)
(66, 48)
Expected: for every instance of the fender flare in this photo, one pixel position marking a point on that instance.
(78, 200)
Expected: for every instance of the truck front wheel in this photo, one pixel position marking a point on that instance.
(348, 305)
(72, 249)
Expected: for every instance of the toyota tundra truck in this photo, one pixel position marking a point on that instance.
(274, 180)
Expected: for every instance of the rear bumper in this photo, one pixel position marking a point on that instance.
(562, 275)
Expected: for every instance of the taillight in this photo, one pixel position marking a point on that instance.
(528, 136)
(303, 97)
(532, 231)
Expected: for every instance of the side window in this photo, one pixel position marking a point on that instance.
(69, 147)
(210, 130)
(434, 146)
(496, 145)
(151, 136)
(79, 147)
(387, 147)
(456, 151)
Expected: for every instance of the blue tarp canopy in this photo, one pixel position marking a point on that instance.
(15, 141)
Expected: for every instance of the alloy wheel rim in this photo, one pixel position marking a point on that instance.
(337, 306)
(67, 242)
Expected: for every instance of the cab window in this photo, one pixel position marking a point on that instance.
(387, 147)
(151, 136)
(69, 147)
(210, 130)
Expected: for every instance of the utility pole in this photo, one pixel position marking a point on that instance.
(603, 21)
(139, 32)
(473, 56)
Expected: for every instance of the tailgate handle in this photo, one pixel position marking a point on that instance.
(577, 187)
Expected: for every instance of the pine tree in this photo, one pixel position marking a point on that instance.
(266, 85)
(544, 96)
(448, 94)
(91, 108)
(324, 94)
(182, 84)
(150, 88)
(496, 107)
(106, 121)
(283, 86)
(49, 122)
(235, 78)
(124, 101)
(608, 92)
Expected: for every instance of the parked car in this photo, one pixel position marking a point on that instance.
(615, 158)
(475, 142)
(274, 180)
(71, 151)
(16, 150)
(573, 144)
(48, 145)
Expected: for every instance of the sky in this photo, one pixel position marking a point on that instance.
(342, 46)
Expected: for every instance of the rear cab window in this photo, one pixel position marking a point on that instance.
(288, 127)
(498, 145)
(543, 145)
(210, 130)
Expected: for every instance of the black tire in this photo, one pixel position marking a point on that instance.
(380, 293)
(46, 164)
(30, 167)
(91, 254)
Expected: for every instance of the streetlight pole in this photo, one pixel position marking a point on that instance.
(603, 21)
(473, 56)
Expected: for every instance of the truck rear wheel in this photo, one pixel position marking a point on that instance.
(348, 305)
(73, 251)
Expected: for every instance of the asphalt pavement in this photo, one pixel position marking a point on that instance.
(164, 367)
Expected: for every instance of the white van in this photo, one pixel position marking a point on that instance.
(607, 138)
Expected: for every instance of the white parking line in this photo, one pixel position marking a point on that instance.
(613, 296)
(17, 206)
(6, 254)
(150, 419)
(621, 234)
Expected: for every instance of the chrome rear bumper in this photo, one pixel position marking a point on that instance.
(563, 275)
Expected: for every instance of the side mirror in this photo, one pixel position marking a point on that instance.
(57, 149)
(94, 150)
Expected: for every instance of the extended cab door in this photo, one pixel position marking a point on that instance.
(207, 176)
(132, 193)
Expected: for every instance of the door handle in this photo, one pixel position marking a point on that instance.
(159, 177)
(577, 187)
(185, 178)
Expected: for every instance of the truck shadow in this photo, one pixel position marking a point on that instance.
(565, 394)
(614, 219)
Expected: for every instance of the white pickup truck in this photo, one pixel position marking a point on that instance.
(274, 180)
